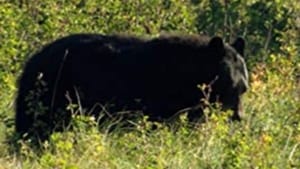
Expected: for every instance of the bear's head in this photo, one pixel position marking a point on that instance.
(231, 79)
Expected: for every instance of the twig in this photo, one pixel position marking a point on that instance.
(57, 80)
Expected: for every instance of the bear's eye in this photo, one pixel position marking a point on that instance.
(232, 56)
(235, 57)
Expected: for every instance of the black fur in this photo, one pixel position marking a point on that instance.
(157, 76)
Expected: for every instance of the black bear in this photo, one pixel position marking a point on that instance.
(158, 77)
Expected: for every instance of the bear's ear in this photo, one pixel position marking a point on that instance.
(216, 43)
(239, 45)
(217, 46)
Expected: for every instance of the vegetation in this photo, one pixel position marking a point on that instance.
(269, 136)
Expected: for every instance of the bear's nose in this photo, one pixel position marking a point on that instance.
(238, 112)
(243, 85)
